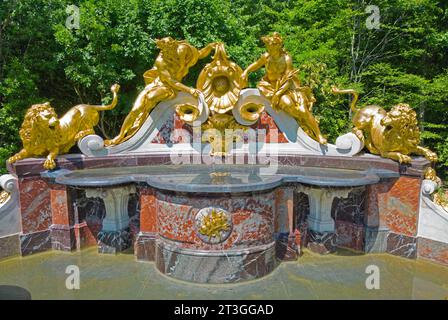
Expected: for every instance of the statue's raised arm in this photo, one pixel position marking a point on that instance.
(253, 67)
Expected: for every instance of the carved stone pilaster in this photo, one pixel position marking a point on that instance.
(9, 207)
(321, 200)
(9, 216)
(114, 236)
(321, 238)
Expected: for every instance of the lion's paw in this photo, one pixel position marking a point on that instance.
(13, 159)
(49, 164)
(402, 158)
(431, 156)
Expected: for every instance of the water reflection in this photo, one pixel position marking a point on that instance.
(336, 276)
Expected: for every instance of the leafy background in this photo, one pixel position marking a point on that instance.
(405, 60)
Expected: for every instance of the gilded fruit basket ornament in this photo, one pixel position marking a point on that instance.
(213, 225)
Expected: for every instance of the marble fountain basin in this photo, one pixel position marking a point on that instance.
(218, 178)
(217, 223)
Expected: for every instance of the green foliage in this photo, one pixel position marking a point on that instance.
(403, 61)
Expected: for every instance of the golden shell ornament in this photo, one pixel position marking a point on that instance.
(219, 81)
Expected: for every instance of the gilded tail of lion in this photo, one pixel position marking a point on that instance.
(114, 89)
(336, 90)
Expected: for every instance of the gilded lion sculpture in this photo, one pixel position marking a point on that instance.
(43, 134)
(394, 134)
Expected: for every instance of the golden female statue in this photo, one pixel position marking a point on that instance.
(163, 82)
(281, 86)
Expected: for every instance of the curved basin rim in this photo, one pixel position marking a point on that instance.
(367, 177)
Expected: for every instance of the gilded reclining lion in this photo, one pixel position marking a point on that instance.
(394, 134)
(43, 134)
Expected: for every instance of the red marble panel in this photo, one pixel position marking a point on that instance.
(60, 208)
(176, 221)
(267, 123)
(35, 204)
(350, 235)
(62, 237)
(394, 205)
(433, 250)
(94, 227)
(301, 235)
(252, 217)
(173, 123)
(148, 213)
(84, 236)
(278, 205)
(284, 204)
(376, 199)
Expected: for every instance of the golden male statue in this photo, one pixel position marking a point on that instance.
(394, 134)
(281, 86)
(43, 134)
(163, 82)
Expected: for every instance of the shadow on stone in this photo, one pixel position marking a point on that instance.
(347, 252)
(285, 247)
(112, 242)
(14, 293)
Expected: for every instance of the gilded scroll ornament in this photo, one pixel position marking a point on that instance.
(187, 112)
(281, 86)
(439, 196)
(43, 134)
(393, 134)
(251, 111)
(431, 174)
(4, 196)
